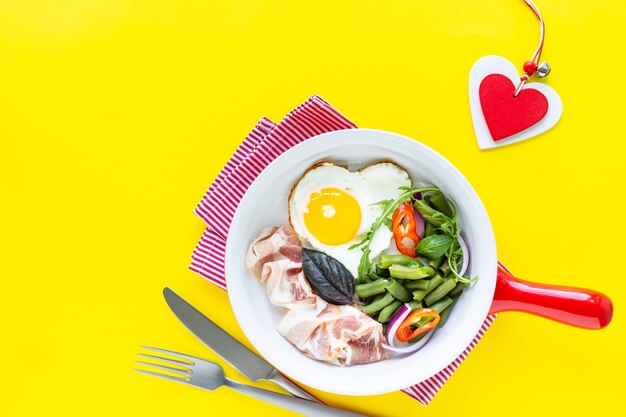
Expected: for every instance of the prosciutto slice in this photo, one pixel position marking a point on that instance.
(342, 335)
(275, 258)
(286, 283)
(273, 244)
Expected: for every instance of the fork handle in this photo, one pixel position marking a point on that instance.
(279, 379)
(298, 405)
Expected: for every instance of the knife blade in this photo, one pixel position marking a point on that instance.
(230, 349)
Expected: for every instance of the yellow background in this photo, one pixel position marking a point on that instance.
(116, 115)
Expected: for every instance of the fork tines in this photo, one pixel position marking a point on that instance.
(183, 365)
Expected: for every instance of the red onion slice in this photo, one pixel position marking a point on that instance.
(420, 226)
(402, 348)
(466, 256)
(393, 344)
(396, 320)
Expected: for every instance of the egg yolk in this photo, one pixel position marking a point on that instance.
(333, 216)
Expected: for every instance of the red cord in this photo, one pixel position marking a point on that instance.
(537, 55)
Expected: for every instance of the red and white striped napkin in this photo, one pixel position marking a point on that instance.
(262, 145)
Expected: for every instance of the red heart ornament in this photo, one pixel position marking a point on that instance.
(505, 114)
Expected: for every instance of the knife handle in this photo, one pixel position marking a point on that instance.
(298, 405)
(279, 379)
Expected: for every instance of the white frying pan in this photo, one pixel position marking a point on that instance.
(265, 204)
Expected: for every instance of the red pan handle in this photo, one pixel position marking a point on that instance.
(574, 306)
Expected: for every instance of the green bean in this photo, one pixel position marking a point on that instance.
(416, 284)
(373, 276)
(415, 305)
(460, 286)
(376, 298)
(444, 268)
(442, 304)
(432, 284)
(387, 260)
(430, 229)
(405, 272)
(372, 288)
(446, 312)
(382, 272)
(430, 214)
(379, 304)
(440, 292)
(420, 337)
(434, 263)
(440, 202)
(424, 321)
(439, 307)
(385, 314)
(444, 316)
(397, 290)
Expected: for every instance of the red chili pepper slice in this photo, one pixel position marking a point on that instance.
(404, 229)
(404, 332)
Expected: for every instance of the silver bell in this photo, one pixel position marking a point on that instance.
(543, 69)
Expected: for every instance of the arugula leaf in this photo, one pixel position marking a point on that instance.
(381, 203)
(455, 257)
(451, 228)
(365, 267)
(356, 245)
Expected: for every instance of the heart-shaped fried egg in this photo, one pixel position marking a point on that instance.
(333, 208)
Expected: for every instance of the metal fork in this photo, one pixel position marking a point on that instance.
(210, 376)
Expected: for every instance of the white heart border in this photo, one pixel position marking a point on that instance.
(493, 64)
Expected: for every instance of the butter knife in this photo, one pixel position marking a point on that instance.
(230, 349)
